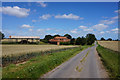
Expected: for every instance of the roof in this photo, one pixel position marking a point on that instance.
(60, 38)
(31, 37)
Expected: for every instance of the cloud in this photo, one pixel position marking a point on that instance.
(82, 27)
(116, 11)
(69, 16)
(107, 31)
(26, 26)
(116, 17)
(107, 21)
(30, 30)
(100, 27)
(33, 20)
(102, 32)
(45, 17)
(88, 29)
(74, 31)
(15, 11)
(42, 4)
(43, 30)
(116, 30)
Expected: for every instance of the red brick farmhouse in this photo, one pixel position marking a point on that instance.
(59, 39)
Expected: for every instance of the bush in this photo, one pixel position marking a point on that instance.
(64, 43)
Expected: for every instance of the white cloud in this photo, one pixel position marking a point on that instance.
(69, 16)
(74, 31)
(15, 11)
(116, 30)
(116, 11)
(26, 26)
(107, 31)
(100, 27)
(116, 17)
(30, 30)
(102, 32)
(107, 21)
(88, 29)
(82, 27)
(43, 30)
(33, 20)
(45, 17)
(42, 4)
(40, 30)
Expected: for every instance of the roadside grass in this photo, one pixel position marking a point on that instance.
(110, 60)
(36, 67)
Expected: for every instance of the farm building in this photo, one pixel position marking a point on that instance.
(59, 39)
(22, 39)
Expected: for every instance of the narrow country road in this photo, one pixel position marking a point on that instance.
(86, 64)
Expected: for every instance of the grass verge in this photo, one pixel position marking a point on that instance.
(110, 60)
(39, 65)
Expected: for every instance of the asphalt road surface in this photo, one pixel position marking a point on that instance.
(83, 65)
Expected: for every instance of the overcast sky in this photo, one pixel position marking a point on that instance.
(75, 18)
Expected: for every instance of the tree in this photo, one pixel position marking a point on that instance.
(1, 35)
(56, 35)
(78, 41)
(47, 38)
(83, 40)
(102, 39)
(109, 39)
(72, 41)
(90, 38)
(117, 40)
(68, 36)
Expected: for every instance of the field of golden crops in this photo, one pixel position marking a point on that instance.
(20, 49)
(113, 45)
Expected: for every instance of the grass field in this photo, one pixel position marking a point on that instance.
(39, 65)
(110, 59)
(113, 45)
(21, 49)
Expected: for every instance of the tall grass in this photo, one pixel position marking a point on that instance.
(36, 67)
(111, 61)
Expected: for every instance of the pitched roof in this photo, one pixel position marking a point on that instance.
(60, 38)
(24, 37)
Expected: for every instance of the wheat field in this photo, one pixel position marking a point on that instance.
(113, 45)
(20, 49)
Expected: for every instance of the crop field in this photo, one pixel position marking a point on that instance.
(39, 65)
(20, 49)
(113, 45)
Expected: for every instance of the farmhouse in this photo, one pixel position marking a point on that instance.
(24, 38)
(59, 39)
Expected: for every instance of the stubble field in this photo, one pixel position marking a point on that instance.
(20, 49)
(113, 45)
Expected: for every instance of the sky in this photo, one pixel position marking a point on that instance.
(74, 18)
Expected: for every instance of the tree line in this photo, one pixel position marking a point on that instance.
(89, 39)
(1, 35)
(109, 39)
